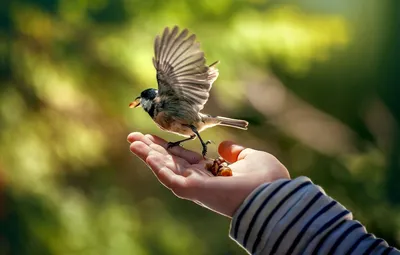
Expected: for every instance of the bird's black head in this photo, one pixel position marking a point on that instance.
(149, 94)
(145, 100)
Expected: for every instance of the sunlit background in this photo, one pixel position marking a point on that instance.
(316, 79)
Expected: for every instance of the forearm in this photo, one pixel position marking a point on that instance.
(296, 217)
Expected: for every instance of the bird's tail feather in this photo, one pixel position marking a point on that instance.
(241, 124)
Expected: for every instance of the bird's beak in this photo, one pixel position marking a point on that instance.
(135, 103)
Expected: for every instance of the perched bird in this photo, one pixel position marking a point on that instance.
(184, 82)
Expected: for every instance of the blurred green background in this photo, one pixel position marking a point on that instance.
(317, 80)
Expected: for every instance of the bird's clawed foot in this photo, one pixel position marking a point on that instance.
(178, 143)
(204, 151)
(173, 144)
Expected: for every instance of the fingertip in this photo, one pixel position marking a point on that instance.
(136, 146)
(140, 149)
(230, 151)
(134, 136)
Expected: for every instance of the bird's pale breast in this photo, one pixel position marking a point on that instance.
(172, 124)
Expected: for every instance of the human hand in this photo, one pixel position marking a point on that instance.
(183, 172)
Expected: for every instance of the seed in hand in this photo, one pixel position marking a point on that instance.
(219, 167)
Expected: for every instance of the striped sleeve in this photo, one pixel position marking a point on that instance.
(297, 217)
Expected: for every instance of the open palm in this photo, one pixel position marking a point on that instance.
(183, 172)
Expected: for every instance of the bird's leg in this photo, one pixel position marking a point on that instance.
(177, 143)
(204, 144)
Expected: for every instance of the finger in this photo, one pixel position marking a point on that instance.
(142, 150)
(232, 152)
(190, 156)
(134, 136)
(165, 175)
(177, 163)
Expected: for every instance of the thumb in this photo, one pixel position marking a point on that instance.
(232, 152)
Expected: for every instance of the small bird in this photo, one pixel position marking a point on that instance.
(184, 82)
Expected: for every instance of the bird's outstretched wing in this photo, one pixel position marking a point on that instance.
(181, 68)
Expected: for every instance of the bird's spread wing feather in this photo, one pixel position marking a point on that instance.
(181, 68)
